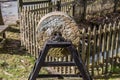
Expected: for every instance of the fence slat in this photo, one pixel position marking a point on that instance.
(89, 48)
(83, 46)
(104, 47)
(108, 47)
(99, 45)
(94, 51)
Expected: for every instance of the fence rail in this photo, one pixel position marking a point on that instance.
(101, 51)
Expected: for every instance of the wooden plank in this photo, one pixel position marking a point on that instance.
(94, 50)
(117, 44)
(58, 75)
(3, 28)
(108, 47)
(34, 2)
(89, 48)
(99, 45)
(113, 46)
(6, 0)
(103, 46)
(52, 6)
(58, 63)
(118, 54)
(83, 46)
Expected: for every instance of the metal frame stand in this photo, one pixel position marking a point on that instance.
(40, 62)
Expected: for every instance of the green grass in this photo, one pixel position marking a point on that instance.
(15, 62)
(15, 66)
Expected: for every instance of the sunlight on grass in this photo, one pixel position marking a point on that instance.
(15, 62)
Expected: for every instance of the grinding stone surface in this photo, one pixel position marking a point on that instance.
(61, 22)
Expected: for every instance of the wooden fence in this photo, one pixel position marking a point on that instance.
(102, 51)
(100, 54)
(72, 7)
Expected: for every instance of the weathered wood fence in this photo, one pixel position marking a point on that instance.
(73, 7)
(102, 51)
(100, 54)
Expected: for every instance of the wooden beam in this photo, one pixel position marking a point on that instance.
(1, 18)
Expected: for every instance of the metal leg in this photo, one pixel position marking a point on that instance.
(79, 63)
(38, 64)
(4, 35)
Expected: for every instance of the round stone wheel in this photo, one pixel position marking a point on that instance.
(61, 22)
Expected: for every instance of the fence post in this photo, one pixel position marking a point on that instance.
(20, 4)
(58, 5)
(83, 45)
(73, 12)
(104, 46)
(89, 48)
(94, 50)
(1, 18)
(116, 45)
(108, 43)
(50, 5)
(84, 2)
(115, 5)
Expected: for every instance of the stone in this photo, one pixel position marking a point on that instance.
(61, 22)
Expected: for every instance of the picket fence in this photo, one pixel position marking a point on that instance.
(99, 48)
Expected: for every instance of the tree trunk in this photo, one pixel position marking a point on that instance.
(1, 18)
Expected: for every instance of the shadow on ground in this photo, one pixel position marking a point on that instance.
(11, 29)
(12, 44)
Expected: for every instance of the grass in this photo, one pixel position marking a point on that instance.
(15, 62)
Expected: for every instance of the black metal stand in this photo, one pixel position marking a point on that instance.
(40, 62)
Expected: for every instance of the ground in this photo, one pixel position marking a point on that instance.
(15, 62)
